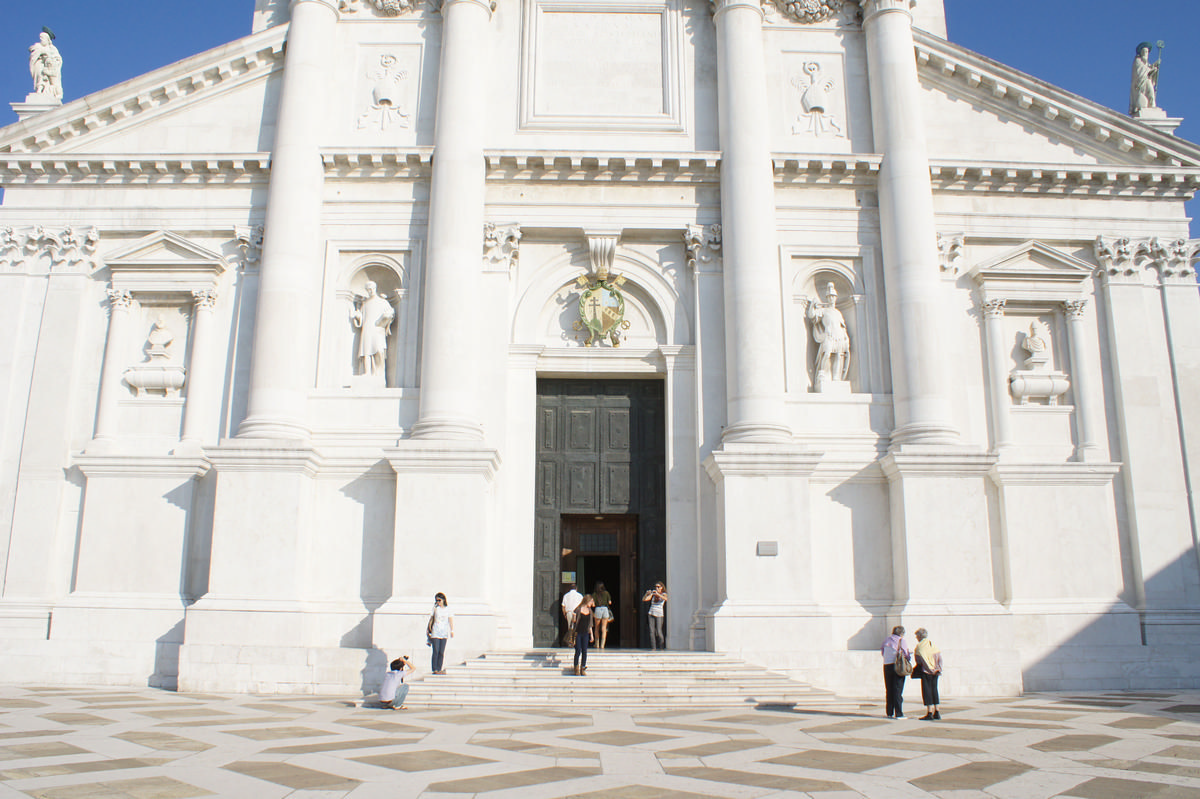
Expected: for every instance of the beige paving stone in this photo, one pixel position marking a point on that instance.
(846, 726)
(35, 750)
(542, 750)
(19, 704)
(295, 777)
(515, 779)
(908, 746)
(638, 792)
(834, 761)
(713, 729)
(757, 720)
(183, 712)
(163, 741)
(1033, 715)
(424, 760)
(1149, 767)
(1110, 788)
(278, 733)
(1140, 723)
(382, 725)
(951, 733)
(1073, 743)
(972, 776)
(1181, 752)
(77, 719)
(11, 736)
(60, 769)
(756, 779)
(620, 737)
(464, 718)
(142, 788)
(339, 746)
(716, 748)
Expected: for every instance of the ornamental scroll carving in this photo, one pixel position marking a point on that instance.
(501, 246)
(388, 8)
(703, 244)
(1127, 258)
(66, 248)
(809, 11)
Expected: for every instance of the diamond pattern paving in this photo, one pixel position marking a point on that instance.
(146, 744)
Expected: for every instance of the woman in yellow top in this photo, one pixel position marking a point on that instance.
(602, 615)
(928, 667)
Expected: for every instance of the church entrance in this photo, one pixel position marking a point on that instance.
(601, 500)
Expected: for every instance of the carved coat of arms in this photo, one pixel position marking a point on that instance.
(602, 310)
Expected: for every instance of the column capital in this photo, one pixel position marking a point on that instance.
(871, 8)
(119, 299)
(204, 299)
(1074, 308)
(332, 5)
(993, 308)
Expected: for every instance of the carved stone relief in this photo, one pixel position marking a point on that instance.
(66, 248)
(950, 251)
(817, 116)
(160, 373)
(1126, 259)
(703, 244)
(389, 103)
(388, 8)
(809, 11)
(501, 246)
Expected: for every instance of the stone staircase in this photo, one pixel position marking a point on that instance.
(615, 678)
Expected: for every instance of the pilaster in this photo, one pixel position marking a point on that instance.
(203, 397)
(119, 303)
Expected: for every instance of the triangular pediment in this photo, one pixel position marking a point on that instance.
(164, 261)
(103, 121)
(1014, 117)
(1032, 271)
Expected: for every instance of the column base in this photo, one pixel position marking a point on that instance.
(447, 429)
(274, 429)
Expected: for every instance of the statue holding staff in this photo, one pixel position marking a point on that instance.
(1143, 91)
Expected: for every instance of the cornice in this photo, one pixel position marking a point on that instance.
(1074, 116)
(592, 167)
(826, 170)
(1065, 179)
(204, 74)
(27, 169)
(377, 163)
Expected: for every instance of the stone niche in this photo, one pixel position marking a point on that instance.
(816, 319)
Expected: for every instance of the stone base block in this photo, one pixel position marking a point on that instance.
(280, 669)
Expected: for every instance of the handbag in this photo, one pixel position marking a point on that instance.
(429, 628)
(902, 665)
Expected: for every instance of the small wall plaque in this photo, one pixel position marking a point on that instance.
(768, 549)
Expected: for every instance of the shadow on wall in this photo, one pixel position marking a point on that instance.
(1127, 648)
(166, 659)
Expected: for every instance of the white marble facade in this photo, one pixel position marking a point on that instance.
(210, 479)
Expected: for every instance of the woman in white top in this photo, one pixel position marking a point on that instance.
(657, 597)
(441, 628)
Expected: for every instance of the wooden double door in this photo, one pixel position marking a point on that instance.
(600, 507)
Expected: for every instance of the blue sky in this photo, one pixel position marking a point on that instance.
(1084, 46)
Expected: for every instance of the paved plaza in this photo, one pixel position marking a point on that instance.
(145, 744)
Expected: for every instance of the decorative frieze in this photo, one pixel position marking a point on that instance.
(1126, 258)
(387, 8)
(809, 11)
(67, 249)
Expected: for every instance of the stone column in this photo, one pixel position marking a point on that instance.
(753, 302)
(204, 374)
(993, 330)
(281, 367)
(1089, 423)
(906, 220)
(449, 339)
(120, 303)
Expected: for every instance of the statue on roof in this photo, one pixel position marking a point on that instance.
(1143, 93)
(45, 65)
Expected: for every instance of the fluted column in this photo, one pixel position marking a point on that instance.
(199, 415)
(1088, 420)
(753, 304)
(281, 366)
(906, 220)
(120, 303)
(993, 330)
(449, 338)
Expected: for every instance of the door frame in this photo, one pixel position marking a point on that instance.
(625, 528)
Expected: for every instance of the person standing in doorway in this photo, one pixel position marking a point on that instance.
(603, 615)
(570, 601)
(583, 633)
(657, 597)
(893, 650)
(441, 628)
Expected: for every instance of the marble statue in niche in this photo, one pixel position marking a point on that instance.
(1036, 381)
(158, 374)
(373, 316)
(1143, 91)
(388, 107)
(45, 66)
(833, 340)
(815, 118)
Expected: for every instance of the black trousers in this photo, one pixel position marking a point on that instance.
(581, 641)
(893, 684)
(929, 689)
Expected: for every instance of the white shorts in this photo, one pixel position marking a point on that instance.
(603, 614)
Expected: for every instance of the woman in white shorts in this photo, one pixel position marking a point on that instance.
(602, 615)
